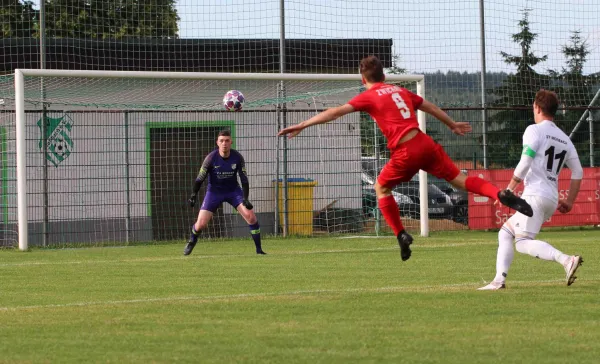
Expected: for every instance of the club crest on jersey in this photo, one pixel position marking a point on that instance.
(233, 165)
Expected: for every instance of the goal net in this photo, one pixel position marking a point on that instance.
(111, 157)
(8, 203)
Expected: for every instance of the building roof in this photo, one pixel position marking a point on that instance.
(194, 55)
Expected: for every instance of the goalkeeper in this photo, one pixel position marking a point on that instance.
(221, 166)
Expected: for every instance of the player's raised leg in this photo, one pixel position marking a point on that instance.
(524, 230)
(482, 187)
(542, 250)
(527, 228)
(438, 163)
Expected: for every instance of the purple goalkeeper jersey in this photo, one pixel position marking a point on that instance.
(222, 172)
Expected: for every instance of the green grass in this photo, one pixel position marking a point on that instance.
(322, 300)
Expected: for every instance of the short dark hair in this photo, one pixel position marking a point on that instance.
(224, 132)
(547, 101)
(372, 69)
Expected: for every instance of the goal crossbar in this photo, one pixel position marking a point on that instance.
(208, 75)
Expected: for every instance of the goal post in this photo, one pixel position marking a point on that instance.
(164, 102)
(423, 189)
(22, 220)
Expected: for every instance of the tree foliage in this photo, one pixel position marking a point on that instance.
(395, 69)
(92, 19)
(575, 89)
(517, 90)
(17, 19)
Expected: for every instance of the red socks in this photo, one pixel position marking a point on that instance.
(482, 187)
(391, 213)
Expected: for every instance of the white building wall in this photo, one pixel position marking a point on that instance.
(91, 183)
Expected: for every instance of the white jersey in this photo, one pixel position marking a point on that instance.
(551, 150)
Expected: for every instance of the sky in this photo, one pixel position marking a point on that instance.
(427, 35)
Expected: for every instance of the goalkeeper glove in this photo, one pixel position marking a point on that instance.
(192, 200)
(247, 204)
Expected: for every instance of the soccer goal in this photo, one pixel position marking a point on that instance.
(111, 156)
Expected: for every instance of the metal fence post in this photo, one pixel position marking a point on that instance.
(483, 72)
(591, 121)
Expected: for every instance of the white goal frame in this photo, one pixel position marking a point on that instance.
(20, 75)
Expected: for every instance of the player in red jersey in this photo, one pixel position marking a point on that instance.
(393, 109)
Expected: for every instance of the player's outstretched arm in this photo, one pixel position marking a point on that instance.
(321, 118)
(458, 128)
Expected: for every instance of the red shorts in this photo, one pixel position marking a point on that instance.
(421, 152)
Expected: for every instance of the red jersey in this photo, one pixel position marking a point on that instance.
(393, 109)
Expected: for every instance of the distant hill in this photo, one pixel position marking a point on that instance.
(459, 90)
(456, 89)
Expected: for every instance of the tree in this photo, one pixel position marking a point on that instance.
(517, 90)
(112, 19)
(95, 19)
(395, 69)
(17, 19)
(575, 90)
(67, 18)
(156, 18)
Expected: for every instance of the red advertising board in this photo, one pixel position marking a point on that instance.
(586, 210)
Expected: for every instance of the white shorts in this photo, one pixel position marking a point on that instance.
(543, 209)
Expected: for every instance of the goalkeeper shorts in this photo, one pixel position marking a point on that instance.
(213, 199)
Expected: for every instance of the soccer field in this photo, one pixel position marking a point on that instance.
(326, 300)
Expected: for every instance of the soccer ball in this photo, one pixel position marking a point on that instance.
(233, 100)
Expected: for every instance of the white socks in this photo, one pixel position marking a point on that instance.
(505, 254)
(535, 248)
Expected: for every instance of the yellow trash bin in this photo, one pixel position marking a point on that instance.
(300, 205)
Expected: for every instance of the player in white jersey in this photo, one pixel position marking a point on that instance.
(546, 149)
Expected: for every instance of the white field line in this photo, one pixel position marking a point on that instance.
(366, 237)
(243, 296)
(226, 256)
(391, 237)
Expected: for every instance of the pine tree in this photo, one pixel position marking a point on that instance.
(517, 90)
(575, 90)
